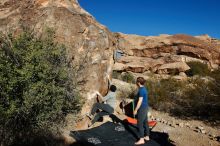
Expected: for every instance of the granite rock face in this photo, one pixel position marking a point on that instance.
(90, 44)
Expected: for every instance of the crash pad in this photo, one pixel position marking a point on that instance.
(110, 134)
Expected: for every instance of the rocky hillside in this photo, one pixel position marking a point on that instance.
(165, 54)
(90, 44)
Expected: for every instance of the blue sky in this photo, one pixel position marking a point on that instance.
(154, 17)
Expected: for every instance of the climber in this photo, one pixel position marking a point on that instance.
(107, 104)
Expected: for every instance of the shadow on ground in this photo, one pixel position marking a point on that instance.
(39, 140)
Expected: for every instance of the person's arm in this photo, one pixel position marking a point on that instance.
(140, 99)
(109, 81)
(106, 97)
(100, 96)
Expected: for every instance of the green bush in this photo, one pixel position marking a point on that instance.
(198, 68)
(128, 77)
(162, 92)
(125, 76)
(196, 97)
(35, 87)
(116, 74)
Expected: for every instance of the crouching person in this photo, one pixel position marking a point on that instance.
(106, 106)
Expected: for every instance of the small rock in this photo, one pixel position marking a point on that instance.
(214, 138)
(187, 125)
(211, 135)
(197, 130)
(152, 117)
(170, 124)
(180, 124)
(183, 74)
(158, 119)
(173, 125)
(203, 131)
(200, 128)
(165, 131)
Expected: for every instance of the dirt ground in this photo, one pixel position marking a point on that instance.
(186, 132)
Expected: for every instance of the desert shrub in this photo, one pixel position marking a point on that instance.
(125, 76)
(163, 92)
(202, 99)
(128, 77)
(116, 75)
(196, 98)
(36, 89)
(198, 68)
(215, 75)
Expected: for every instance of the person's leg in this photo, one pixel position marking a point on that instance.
(95, 107)
(103, 107)
(97, 116)
(146, 129)
(106, 110)
(140, 122)
(140, 126)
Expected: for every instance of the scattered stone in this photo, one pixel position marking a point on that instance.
(180, 124)
(182, 74)
(165, 122)
(173, 125)
(152, 117)
(200, 127)
(187, 125)
(203, 131)
(211, 135)
(196, 130)
(158, 119)
(170, 124)
(214, 138)
(165, 131)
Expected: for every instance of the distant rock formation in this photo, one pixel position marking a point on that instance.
(165, 54)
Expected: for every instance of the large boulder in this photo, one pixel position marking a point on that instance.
(89, 44)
